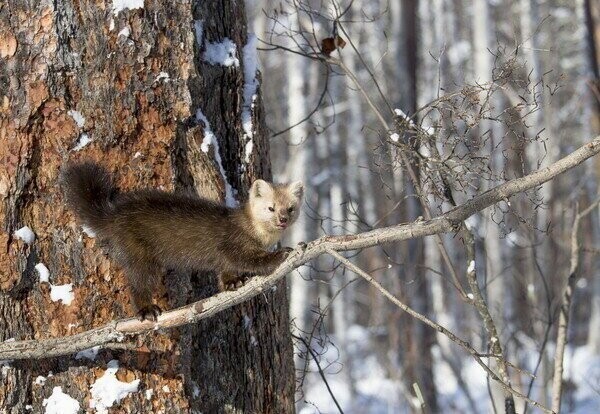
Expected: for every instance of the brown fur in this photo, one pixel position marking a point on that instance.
(149, 232)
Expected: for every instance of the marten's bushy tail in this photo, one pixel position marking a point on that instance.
(88, 189)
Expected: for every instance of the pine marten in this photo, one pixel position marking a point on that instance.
(149, 231)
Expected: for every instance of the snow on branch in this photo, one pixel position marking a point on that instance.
(206, 308)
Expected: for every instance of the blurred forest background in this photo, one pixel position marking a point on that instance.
(468, 94)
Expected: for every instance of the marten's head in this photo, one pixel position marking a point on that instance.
(274, 207)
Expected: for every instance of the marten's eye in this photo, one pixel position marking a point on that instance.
(271, 209)
(291, 209)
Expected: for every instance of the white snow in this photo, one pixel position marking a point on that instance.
(77, 117)
(250, 87)
(43, 272)
(401, 114)
(247, 322)
(89, 353)
(221, 53)
(119, 5)
(161, 75)
(63, 293)
(582, 367)
(248, 148)
(26, 234)
(60, 403)
(108, 390)
(149, 394)
(195, 389)
(394, 137)
(124, 32)
(83, 140)
(198, 27)
(211, 139)
(166, 388)
(40, 380)
(375, 392)
(470, 296)
(471, 267)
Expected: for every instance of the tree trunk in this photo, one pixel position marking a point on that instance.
(135, 78)
(592, 17)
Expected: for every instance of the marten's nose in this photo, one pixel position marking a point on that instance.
(283, 220)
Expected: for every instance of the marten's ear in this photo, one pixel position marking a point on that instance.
(296, 189)
(260, 188)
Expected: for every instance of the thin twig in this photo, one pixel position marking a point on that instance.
(454, 338)
(565, 307)
(321, 373)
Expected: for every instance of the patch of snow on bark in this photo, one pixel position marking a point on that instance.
(60, 403)
(77, 117)
(83, 140)
(221, 53)
(250, 89)
(124, 32)
(43, 272)
(108, 390)
(63, 293)
(211, 139)
(162, 75)
(26, 234)
(199, 29)
(119, 5)
(471, 267)
(89, 353)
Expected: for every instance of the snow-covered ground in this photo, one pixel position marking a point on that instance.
(376, 393)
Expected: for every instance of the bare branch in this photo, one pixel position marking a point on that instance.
(321, 373)
(447, 222)
(565, 307)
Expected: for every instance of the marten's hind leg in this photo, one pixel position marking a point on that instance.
(232, 280)
(144, 279)
(143, 273)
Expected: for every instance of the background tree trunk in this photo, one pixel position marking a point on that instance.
(592, 15)
(136, 79)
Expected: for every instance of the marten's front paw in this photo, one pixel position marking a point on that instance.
(285, 251)
(149, 313)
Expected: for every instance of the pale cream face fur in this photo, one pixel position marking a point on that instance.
(274, 207)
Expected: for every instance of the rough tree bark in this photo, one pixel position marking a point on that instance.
(137, 78)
